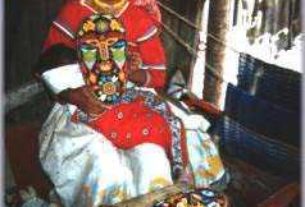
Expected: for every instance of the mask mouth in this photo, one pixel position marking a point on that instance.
(105, 66)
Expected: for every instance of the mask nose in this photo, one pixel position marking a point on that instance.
(104, 51)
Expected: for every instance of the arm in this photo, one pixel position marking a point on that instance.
(152, 71)
(59, 72)
(59, 50)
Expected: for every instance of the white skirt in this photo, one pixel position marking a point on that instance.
(88, 170)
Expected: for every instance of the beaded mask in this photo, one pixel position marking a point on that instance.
(102, 53)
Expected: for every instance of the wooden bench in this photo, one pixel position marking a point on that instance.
(21, 144)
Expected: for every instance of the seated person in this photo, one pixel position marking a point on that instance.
(109, 138)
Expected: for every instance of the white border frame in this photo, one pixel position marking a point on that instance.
(2, 103)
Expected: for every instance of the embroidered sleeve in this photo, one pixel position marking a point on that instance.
(153, 61)
(149, 33)
(55, 37)
(66, 24)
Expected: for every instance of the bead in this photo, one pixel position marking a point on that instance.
(113, 135)
(149, 115)
(213, 204)
(145, 131)
(207, 193)
(120, 115)
(128, 136)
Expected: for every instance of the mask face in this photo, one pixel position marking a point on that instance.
(102, 52)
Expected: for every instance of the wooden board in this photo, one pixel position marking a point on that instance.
(149, 199)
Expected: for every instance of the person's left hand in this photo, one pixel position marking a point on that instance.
(134, 73)
(138, 77)
(135, 61)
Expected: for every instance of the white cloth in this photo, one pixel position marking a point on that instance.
(204, 160)
(63, 77)
(87, 169)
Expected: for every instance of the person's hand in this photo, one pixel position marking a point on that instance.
(134, 73)
(84, 99)
(138, 77)
(135, 61)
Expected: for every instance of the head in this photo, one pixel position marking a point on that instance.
(101, 43)
(102, 49)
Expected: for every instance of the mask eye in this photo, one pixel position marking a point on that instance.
(87, 47)
(119, 44)
(118, 52)
(91, 42)
(112, 40)
(88, 52)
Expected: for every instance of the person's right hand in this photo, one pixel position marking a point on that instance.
(84, 99)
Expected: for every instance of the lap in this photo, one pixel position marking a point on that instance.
(82, 163)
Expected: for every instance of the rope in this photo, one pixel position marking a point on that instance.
(180, 17)
(189, 49)
(193, 52)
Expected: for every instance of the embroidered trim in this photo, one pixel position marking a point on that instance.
(123, 10)
(67, 31)
(149, 34)
(82, 2)
(154, 67)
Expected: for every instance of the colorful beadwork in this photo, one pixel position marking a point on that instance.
(102, 52)
(198, 198)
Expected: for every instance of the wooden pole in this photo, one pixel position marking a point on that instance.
(22, 95)
(217, 26)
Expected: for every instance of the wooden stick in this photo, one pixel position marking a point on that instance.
(282, 197)
(22, 95)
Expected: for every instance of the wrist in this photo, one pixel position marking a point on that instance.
(64, 96)
(147, 79)
(139, 77)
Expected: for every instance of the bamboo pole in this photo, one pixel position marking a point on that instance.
(215, 52)
(22, 95)
(178, 16)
